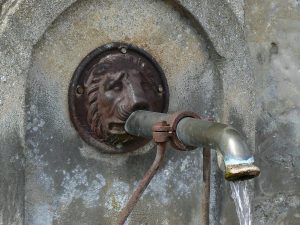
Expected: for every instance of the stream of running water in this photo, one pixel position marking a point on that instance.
(240, 192)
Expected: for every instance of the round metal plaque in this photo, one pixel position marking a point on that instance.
(108, 85)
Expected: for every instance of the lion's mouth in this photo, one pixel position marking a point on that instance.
(117, 134)
(117, 128)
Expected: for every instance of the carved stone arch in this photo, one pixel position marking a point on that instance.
(22, 26)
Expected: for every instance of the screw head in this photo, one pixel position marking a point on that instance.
(79, 90)
(123, 50)
(160, 89)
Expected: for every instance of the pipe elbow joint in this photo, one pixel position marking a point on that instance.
(238, 159)
(232, 146)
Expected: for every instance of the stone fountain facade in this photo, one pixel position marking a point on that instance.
(48, 175)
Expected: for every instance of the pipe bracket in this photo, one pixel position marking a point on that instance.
(173, 120)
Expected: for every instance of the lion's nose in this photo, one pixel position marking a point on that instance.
(137, 98)
(143, 105)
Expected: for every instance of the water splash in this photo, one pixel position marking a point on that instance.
(240, 192)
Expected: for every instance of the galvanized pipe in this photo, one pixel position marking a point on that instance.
(217, 135)
(141, 122)
(238, 159)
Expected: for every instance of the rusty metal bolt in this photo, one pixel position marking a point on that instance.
(124, 50)
(79, 90)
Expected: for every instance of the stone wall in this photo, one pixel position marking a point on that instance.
(48, 175)
(273, 32)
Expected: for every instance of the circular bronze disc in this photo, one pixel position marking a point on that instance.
(108, 85)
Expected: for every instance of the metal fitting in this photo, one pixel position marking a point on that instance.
(161, 132)
(173, 120)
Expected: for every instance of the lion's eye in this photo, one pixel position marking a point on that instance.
(117, 86)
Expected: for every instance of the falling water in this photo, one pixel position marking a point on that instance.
(240, 192)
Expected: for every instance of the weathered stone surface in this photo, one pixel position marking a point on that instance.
(181, 52)
(273, 31)
(12, 176)
(202, 49)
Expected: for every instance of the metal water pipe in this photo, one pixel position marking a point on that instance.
(186, 131)
(193, 132)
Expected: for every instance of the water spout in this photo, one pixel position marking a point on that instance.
(238, 160)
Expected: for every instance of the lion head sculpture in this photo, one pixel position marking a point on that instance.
(118, 85)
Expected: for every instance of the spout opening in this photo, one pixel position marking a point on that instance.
(241, 172)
